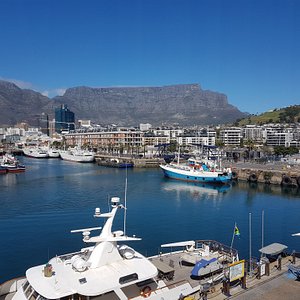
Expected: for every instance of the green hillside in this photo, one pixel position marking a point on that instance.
(289, 114)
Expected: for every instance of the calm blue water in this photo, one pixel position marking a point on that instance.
(39, 208)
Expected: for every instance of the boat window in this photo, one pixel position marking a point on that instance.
(28, 291)
(74, 297)
(25, 285)
(145, 282)
(128, 278)
(33, 296)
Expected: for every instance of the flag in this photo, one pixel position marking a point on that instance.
(236, 231)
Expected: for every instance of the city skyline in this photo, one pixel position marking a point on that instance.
(247, 50)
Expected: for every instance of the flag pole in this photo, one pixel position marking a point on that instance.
(250, 244)
(233, 235)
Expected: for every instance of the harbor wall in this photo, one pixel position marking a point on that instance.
(284, 176)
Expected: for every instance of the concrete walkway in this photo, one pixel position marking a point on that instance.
(279, 285)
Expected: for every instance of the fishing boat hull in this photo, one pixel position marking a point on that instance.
(2, 170)
(194, 175)
(15, 169)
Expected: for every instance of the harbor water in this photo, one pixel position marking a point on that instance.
(40, 207)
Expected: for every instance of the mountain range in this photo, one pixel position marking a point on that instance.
(185, 104)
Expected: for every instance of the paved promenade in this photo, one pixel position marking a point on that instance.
(280, 285)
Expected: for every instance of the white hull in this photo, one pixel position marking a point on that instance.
(35, 153)
(80, 157)
(53, 153)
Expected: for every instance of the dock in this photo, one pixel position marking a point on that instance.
(279, 285)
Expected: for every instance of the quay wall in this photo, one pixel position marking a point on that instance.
(275, 174)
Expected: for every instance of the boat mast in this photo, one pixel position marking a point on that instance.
(262, 228)
(250, 246)
(125, 202)
(233, 235)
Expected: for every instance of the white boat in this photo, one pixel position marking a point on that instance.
(35, 152)
(10, 164)
(53, 153)
(109, 270)
(196, 170)
(77, 155)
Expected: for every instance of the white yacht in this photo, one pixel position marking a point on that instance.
(35, 152)
(53, 153)
(77, 155)
(109, 270)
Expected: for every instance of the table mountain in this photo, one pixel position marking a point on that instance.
(186, 104)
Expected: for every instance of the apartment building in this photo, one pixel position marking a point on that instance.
(231, 136)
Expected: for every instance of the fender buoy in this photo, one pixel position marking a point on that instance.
(146, 291)
(234, 175)
(286, 180)
(252, 178)
(298, 180)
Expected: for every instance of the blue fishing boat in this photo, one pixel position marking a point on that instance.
(197, 171)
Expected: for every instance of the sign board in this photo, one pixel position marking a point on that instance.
(236, 270)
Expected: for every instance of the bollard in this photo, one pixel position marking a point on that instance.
(244, 285)
(279, 263)
(267, 269)
(226, 287)
(294, 257)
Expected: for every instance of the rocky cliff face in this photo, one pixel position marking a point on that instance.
(185, 104)
(20, 105)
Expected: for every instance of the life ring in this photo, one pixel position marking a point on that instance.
(146, 291)
(286, 180)
(252, 178)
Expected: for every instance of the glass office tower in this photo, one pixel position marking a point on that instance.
(64, 119)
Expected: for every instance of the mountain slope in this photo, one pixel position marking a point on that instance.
(185, 104)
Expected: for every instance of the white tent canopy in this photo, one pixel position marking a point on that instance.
(273, 249)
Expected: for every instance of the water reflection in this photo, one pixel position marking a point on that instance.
(197, 190)
(253, 188)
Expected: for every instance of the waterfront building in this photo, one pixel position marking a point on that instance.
(64, 119)
(145, 127)
(84, 123)
(150, 139)
(253, 133)
(168, 132)
(231, 136)
(119, 141)
(279, 135)
(199, 138)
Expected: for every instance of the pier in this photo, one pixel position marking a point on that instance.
(278, 285)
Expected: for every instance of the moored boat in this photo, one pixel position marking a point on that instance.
(197, 171)
(35, 152)
(10, 164)
(116, 163)
(53, 153)
(77, 155)
(110, 270)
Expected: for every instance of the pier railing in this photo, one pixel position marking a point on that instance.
(217, 246)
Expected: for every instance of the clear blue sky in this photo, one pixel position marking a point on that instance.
(247, 49)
